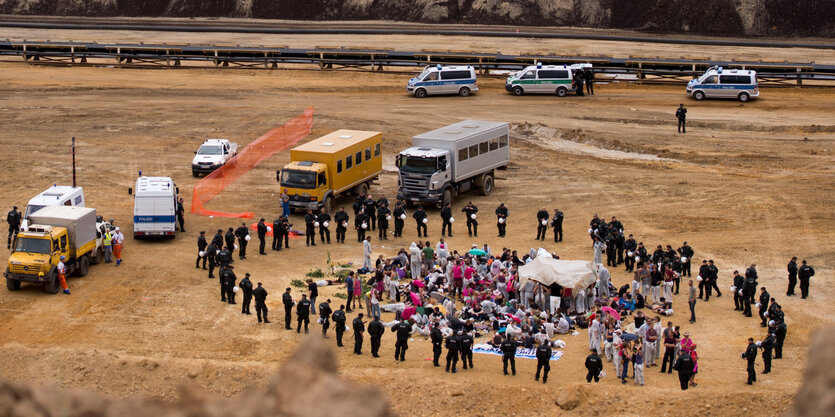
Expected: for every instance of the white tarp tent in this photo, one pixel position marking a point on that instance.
(568, 274)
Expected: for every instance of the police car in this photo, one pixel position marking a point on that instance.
(544, 79)
(724, 83)
(437, 79)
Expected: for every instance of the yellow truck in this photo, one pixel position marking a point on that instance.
(54, 231)
(323, 169)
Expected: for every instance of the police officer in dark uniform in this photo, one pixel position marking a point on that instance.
(767, 346)
(437, 342)
(751, 275)
(419, 215)
(201, 247)
(211, 255)
(276, 245)
(229, 279)
(541, 223)
(375, 334)
(556, 223)
(181, 214)
(805, 273)
(230, 240)
(749, 290)
(751, 356)
(287, 300)
(686, 251)
(324, 231)
(508, 348)
(630, 245)
(543, 360)
(403, 330)
(703, 272)
(714, 277)
(779, 332)
(284, 232)
(620, 244)
(13, 219)
(359, 219)
(578, 83)
(246, 287)
(765, 297)
(501, 219)
(325, 315)
(339, 324)
(303, 313)
(588, 76)
(224, 257)
(241, 233)
(399, 211)
(611, 253)
(309, 228)
(684, 366)
(371, 211)
(358, 204)
(681, 115)
(340, 218)
(594, 365)
(383, 213)
(792, 269)
(472, 224)
(466, 349)
(453, 346)
(359, 329)
(217, 240)
(739, 284)
(446, 214)
(260, 295)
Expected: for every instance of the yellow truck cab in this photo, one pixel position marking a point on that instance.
(56, 231)
(325, 168)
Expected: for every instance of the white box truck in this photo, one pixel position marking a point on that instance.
(154, 207)
(57, 195)
(452, 160)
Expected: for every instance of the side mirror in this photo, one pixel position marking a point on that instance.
(130, 191)
(278, 175)
(195, 152)
(177, 190)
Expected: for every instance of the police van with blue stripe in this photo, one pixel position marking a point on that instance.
(154, 207)
(437, 79)
(723, 83)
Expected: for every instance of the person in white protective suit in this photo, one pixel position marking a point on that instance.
(414, 260)
(603, 278)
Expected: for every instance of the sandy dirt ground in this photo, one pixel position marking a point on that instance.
(749, 183)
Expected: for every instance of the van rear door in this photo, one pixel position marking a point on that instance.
(164, 214)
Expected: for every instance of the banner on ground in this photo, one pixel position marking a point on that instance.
(270, 143)
(520, 352)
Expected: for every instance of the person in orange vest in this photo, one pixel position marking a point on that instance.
(62, 275)
(118, 240)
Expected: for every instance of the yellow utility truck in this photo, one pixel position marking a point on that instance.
(323, 169)
(53, 232)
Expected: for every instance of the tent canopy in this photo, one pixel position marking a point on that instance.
(568, 274)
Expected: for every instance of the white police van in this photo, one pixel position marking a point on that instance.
(459, 80)
(544, 79)
(724, 83)
(154, 207)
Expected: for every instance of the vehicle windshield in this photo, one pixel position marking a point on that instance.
(31, 245)
(423, 74)
(31, 209)
(418, 165)
(210, 150)
(298, 179)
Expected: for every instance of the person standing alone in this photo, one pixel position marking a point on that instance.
(681, 115)
(13, 219)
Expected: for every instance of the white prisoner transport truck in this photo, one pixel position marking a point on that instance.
(544, 79)
(154, 207)
(453, 159)
(437, 79)
(211, 155)
(724, 83)
(57, 195)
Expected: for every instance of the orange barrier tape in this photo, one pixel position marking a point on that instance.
(270, 143)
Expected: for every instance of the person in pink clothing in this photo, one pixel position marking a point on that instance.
(695, 357)
(358, 291)
(457, 278)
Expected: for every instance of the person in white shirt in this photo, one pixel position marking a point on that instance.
(595, 335)
(366, 253)
(602, 281)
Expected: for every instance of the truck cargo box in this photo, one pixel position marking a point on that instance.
(79, 221)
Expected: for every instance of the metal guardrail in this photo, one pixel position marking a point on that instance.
(175, 55)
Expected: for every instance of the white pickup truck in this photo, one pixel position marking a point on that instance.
(213, 153)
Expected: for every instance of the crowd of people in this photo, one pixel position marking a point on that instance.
(452, 297)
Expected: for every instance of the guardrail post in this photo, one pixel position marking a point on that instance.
(799, 80)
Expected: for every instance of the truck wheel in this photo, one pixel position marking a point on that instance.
(12, 284)
(447, 198)
(699, 95)
(464, 91)
(52, 286)
(561, 92)
(83, 266)
(195, 174)
(362, 189)
(517, 91)
(420, 93)
(98, 258)
(743, 97)
(328, 205)
(487, 184)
